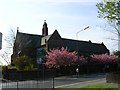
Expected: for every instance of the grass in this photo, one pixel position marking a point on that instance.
(102, 86)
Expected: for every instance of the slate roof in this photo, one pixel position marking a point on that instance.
(31, 40)
(85, 46)
(28, 40)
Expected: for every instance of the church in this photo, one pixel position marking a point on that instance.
(27, 44)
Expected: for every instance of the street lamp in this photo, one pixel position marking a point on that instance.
(78, 47)
(81, 31)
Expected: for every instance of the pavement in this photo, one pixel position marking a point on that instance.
(82, 84)
(83, 80)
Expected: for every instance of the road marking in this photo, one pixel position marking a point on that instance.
(62, 86)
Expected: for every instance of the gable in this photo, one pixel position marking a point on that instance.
(55, 40)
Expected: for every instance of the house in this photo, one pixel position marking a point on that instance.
(28, 44)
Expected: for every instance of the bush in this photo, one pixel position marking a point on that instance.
(23, 63)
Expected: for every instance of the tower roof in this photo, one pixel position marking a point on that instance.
(45, 29)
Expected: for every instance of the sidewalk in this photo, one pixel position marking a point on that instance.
(86, 79)
(84, 82)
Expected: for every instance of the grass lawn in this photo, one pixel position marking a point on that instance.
(103, 86)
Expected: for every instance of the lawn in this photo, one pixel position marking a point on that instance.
(103, 86)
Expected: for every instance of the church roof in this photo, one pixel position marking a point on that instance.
(85, 46)
(31, 40)
(28, 40)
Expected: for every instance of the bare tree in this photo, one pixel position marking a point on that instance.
(5, 57)
(9, 39)
(112, 28)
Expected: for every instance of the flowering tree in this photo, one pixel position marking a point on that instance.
(82, 60)
(60, 57)
(104, 58)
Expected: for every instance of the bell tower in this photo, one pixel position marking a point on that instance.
(45, 29)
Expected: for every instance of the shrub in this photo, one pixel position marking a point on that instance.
(23, 63)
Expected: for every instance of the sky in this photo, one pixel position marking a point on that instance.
(67, 16)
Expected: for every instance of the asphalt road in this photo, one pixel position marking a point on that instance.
(58, 82)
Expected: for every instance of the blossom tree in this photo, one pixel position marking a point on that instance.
(104, 58)
(60, 57)
(82, 60)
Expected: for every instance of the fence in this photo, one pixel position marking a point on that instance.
(28, 79)
(27, 84)
(45, 78)
(113, 78)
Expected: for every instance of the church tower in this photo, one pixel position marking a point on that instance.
(45, 29)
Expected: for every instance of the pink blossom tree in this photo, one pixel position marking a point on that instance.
(82, 60)
(104, 58)
(60, 57)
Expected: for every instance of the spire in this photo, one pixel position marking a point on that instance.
(45, 29)
(17, 29)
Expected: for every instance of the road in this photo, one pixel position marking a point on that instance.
(58, 82)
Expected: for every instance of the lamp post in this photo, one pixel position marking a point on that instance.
(77, 70)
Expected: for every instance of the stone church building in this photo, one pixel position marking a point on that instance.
(27, 44)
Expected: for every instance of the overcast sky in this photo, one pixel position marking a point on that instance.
(68, 17)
